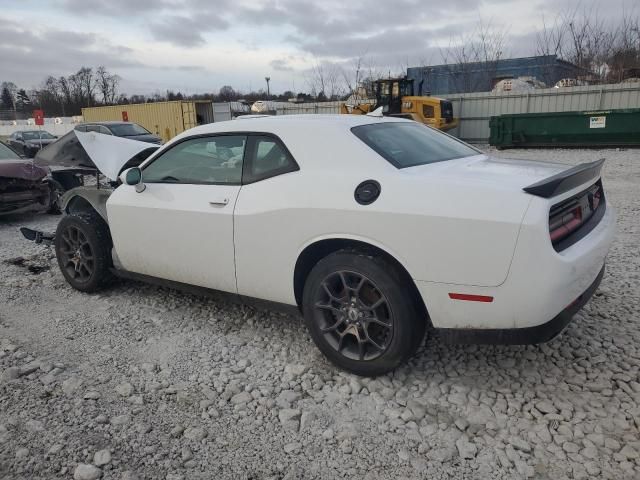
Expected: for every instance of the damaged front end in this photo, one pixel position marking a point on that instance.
(91, 152)
(24, 187)
(81, 153)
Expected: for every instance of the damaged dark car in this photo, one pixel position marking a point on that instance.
(24, 186)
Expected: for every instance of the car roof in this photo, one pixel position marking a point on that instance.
(108, 122)
(267, 123)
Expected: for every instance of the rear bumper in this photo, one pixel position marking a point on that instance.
(522, 336)
(540, 285)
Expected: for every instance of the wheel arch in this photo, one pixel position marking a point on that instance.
(319, 249)
(83, 199)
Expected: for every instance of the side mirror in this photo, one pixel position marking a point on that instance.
(133, 176)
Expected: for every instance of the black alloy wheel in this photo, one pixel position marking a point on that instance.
(76, 254)
(83, 249)
(354, 316)
(362, 312)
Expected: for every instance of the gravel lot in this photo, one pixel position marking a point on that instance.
(149, 383)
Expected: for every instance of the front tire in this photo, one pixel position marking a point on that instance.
(361, 313)
(83, 249)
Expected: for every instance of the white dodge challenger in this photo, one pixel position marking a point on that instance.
(377, 229)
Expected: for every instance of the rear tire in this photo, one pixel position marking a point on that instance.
(361, 313)
(83, 249)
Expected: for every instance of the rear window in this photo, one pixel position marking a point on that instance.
(127, 129)
(407, 144)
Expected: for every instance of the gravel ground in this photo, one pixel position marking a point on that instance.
(149, 383)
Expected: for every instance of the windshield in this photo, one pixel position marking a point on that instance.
(407, 144)
(7, 154)
(36, 135)
(127, 129)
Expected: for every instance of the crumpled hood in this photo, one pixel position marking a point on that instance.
(22, 169)
(87, 151)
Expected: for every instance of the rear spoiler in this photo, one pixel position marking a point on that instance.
(565, 181)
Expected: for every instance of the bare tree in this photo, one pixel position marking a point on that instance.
(605, 50)
(325, 80)
(484, 45)
(87, 83)
(107, 85)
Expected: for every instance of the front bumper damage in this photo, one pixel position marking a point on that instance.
(21, 195)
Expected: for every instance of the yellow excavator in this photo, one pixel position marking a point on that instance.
(396, 97)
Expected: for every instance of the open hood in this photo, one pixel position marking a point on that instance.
(88, 151)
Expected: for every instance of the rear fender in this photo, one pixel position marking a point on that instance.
(86, 198)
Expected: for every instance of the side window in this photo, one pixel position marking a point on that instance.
(428, 111)
(93, 128)
(103, 129)
(81, 128)
(206, 160)
(268, 159)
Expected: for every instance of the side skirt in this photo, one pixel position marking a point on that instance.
(210, 293)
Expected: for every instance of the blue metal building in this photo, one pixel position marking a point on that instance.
(481, 76)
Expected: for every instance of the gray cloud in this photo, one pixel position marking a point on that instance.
(281, 65)
(181, 31)
(115, 8)
(32, 55)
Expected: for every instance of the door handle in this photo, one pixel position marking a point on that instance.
(219, 203)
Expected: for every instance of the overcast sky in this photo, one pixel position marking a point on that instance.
(201, 45)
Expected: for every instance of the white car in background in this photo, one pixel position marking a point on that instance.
(377, 229)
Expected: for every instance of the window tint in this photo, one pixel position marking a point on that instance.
(81, 128)
(105, 130)
(7, 154)
(200, 160)
(270, 156)
(427, 111)
(35, 135)
(93, 128)
(406, 144)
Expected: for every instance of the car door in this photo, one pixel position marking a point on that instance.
(180, 227)
(266, 220)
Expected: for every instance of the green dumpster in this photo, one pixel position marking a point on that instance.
(610, 128)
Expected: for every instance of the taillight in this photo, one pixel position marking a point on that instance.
(574, 213)
(596, 199)
(563, 224)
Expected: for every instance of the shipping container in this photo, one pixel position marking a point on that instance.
(609, 128)
(165, 119)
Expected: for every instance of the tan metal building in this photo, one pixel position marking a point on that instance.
(165, 119)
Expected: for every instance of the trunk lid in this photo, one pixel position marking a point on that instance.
(499, 172)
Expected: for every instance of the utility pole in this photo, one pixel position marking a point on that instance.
(268, 79)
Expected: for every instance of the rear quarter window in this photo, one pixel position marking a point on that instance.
(408, 144)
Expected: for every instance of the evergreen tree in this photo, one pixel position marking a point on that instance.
(6, 99)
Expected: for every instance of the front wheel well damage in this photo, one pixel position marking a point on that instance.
(78, 204)
(315, 252)
(86, 199)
